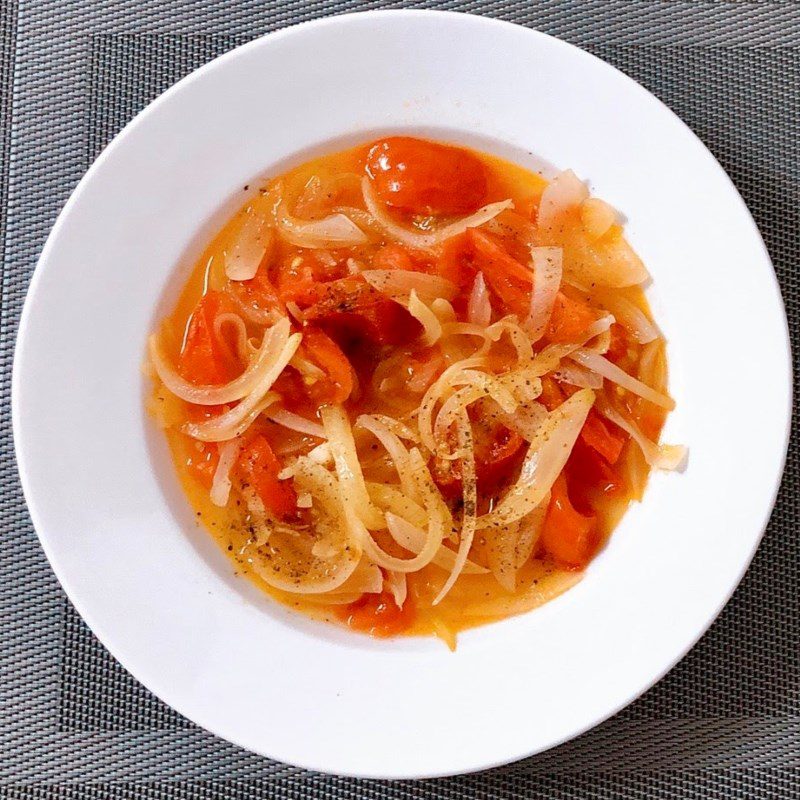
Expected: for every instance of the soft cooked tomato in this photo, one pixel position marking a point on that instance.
(567, 536)
(603, 436)
(589, 475)
(326, 354)
(301, 277)
(497, 452)
(202, 462)
(378, 615)
(259, 467)
(350, 309)
(395, 256)
(421, 177)
(257, 296)
(204, 358)
(569, 320)
(509, 280)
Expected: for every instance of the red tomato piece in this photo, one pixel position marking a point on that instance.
(259, 467)
(378, 615)
(569, 320)
(202, 462)
(204, 358)
(569, 537)
(509, 280)
(603, 437)
(395, 256)
(327, 355)
(421, 177)
(257, 295)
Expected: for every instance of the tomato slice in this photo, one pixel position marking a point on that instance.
(259, 467)
(569, 320)
(327, 355)
(603, 437)
(204, 358)
(509, 280)
(202, 462)
(258, 295)
(395, 256)
(378, 615)
(350, 309)
(589, 475)
(569, 537)
(497, 452)
(421, 177)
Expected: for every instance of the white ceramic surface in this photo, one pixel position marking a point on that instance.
(155, 589)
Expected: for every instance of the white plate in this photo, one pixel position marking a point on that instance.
(155, 589)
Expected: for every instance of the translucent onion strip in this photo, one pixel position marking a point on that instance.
(576, 375)
(221, 483)
(399, 283)
(546, 265)
(395, 583)
(336, 230)
(479, 307)
(659, 456)
(263, 364)
(425, 241)
(565, 192)
(234, 321)
(252, 243)
(546, 457)
(294, 422)
(470, 495)
(432, 327)
(602, 366)
(394, 447)
(348, 468)
(630, 316)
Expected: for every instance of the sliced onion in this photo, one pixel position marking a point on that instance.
(470, 494)
(395, 500)
(630, 316)
(253, 242)
(221, 483)
(659, 456)
(576, 375)
(348, 468)
(336, 230)
(235, 421)
(479, 307)
(546, 457)
(530, 529)
(395, 583)
(394, 447)
(526, 420)
(399, 283)
(546, 265)
(602, 366)
(294, 422)
(425, 241)
(412, 538)
(229, 319)
(432, 327)
(520, 339)
(597, 217)
(444, 310)
(265, 362)
(565, 192)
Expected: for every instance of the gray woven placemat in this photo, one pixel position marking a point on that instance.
(725, 723)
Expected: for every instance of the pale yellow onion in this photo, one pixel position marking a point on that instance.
(230, 320)
(564, 193)
(235, 421)
(470, 497)
(546, 457)
(629, 315)
(444, 310)
(610, 371)
(479, 307)
(221, 482)
(546, 267)
(394, 499)
(395, 583)
(263, 364)
(412, 538)
(659, 456)
(348, 468)
(336, 230)
(399, 283)
(575, 375)
(294, 422)
(394, 447)
(519, 338)
(426, 241)
(431, 326)
(253, 242)
(597, 217)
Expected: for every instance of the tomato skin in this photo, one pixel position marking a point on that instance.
(569, 320)
(259, 467)
(567, 536)
(378, 615)
(421, 177)
(204, 359)
(327, 355)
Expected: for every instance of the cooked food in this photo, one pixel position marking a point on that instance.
(411, 388)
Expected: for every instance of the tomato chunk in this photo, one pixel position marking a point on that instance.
(603, 437)
(202, 462)
(395, 256)
(204, 358)
(259, 467)
(569, 537)
(378, 615)
(257, 296)
(421, 177)
(507, 278)
(327, 355)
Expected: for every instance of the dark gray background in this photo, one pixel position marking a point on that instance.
(725, 723)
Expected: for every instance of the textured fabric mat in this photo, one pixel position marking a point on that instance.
(725, 723)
